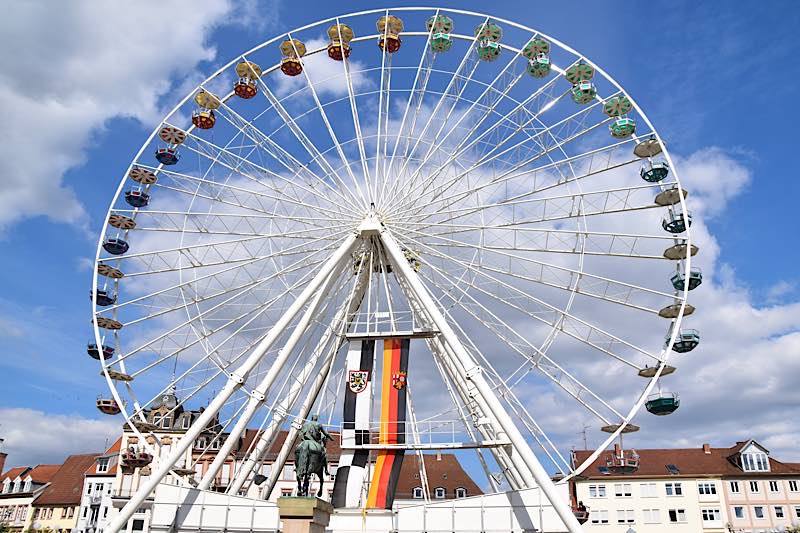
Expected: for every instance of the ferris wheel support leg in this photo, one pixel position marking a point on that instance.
(260, 392)
(268, 436)
(474, 374)
(458, 380)
(511, 468)
(235, 380)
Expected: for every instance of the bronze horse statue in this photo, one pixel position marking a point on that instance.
(310, 457)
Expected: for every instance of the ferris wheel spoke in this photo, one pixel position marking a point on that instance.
(573, 127)
(250, 170)
(334, 138)
(279, 154)
(489, 108)
(511, 338)
(536, 308)
(316, 222)
(299, 265)
(536, 180)
(522, 413)
(234, 191)
(562, 277)
(415, 97)
(510, 238)
(357, 124)
(231, 246)
(381, 130)
(470, 64)
(309, 146)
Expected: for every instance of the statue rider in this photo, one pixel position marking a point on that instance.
(314, 431)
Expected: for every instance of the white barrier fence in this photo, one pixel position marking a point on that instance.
(180, 509)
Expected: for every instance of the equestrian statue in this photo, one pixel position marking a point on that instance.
(310, 457)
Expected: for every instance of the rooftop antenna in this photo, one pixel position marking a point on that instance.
(583, 432)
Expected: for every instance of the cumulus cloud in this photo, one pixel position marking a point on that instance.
(33, 437)
(85, 63)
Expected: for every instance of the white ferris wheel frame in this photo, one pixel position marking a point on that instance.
(527, 467)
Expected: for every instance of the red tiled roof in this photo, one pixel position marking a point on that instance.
(43, 473)
(442, 470)
(689, 461)
(14, 472)
(112, 453)
(67, 483)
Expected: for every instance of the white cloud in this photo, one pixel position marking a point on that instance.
(76, 66)
(33, 437)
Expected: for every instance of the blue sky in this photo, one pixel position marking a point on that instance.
(718, 76)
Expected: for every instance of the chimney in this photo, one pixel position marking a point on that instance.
(617, 451)
(706, 448)
(3, 461)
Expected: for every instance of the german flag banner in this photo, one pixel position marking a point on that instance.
(353, 463)
(392, 427)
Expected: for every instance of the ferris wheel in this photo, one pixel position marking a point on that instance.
(458, 181)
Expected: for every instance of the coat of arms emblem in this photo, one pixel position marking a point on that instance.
(357, 380)
(399, 380)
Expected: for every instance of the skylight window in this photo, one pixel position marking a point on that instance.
(673, 470)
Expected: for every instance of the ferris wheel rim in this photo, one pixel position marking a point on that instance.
(637, 406)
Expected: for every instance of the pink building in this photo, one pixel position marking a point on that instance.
(762, 493)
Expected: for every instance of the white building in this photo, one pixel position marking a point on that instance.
(705, 489)
(653, 491)
(98, 484)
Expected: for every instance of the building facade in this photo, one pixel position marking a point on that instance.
(56, 507)
(20, 487)
(96, 504)
(704, 489)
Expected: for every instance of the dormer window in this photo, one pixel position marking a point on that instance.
(102, 464)
(755, 462)
(6, 486)
(27, 487)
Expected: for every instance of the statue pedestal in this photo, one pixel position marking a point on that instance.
(304, 515)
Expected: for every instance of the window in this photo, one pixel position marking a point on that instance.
(738, 511)
(755, 462)
(754, 486)
(797, 511)
(461, 492)
(793, 485)
(186, 422)
(138, 525)
(674, 489)
(758, 511)
(286, 492)
(6, 486)
(673, 470)
(677, 516)
(710, 515)
(102, 465)
(707, 488)
(597, 491)
(625, 516)
(604, 470)
(63, 512)
(622, 490)
(71, 512)
(439, 493)
(599, 516)
(648, 490)
(651, 516)
(28, 486)
(735, 487)
(773, 486)
(416, 493)
(779, 511)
